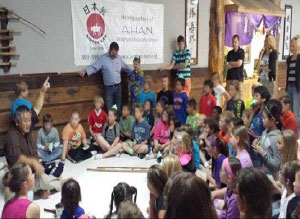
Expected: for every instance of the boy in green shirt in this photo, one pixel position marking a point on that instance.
(126, 123)
(193, 115)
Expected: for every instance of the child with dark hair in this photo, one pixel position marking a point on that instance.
(161, 136)
(207, 100)
(254, 191)
(140, 135)
(193, 116)
(180, 100)
(266, 147)
(121, 192)
(136, 80)
(187, 196)
(156, 181)
(70, 198)
(216, 113)
(148, 113)
(218, 150)
(287, 179)
(129, 209)
(287, 118)
(261, 97)
(165, 95)
(126, 123)
(235, 104)
(110, 137)
(48, 142)
(174, 124)
(160, 106)
(228, 175)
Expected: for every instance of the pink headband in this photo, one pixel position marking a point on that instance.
(228, 168)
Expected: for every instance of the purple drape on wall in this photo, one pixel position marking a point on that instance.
(244, 25)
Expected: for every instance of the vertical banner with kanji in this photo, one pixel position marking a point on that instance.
(136, 27)
(191, 28)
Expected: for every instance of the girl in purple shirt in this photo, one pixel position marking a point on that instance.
(230, 168)
(239, 142)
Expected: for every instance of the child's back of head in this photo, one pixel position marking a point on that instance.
(70, 196)
(21, 88)
(129, 209)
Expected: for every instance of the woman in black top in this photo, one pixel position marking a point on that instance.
(293, 77)
(267, 64)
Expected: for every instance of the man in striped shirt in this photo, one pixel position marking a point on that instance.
(181, 62)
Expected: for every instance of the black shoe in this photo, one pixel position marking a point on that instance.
(141, 156)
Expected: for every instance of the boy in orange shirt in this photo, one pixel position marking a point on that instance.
(75, 146)
(287, 118)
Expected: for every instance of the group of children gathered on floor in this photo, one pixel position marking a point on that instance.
(245, 154)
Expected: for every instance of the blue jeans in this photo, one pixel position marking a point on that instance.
(294, 95)
(47, 157)
(113, 95)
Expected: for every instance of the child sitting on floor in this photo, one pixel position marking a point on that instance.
(293, 208)
(129, 209)
(160, 106)
(246, 118)
(266, 146)
(136, 80)
(218, 150)
(287, 118)
(180, 100)
(216, 113)
(184, 150)
(261, 97)
(161, 136)
(235, 104)
(200, 126)
(228, 175)
(192, 115)
(97, 118)
(139, 142)
(225, 120)
(75, 146)
(148, 113)
(126, 123)
(239, 142)
(287, 179)
(196, 152)
(156, 181)
(110, 137)
(165, 95)
(207, 100)
(146, 93)
(121, 192)
(48, 142)
(70, 198)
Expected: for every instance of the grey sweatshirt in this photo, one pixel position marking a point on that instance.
(270, 159)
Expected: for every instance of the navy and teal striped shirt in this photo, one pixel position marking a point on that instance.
(179, 59)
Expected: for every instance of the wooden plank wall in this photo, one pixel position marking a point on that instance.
(69, 92)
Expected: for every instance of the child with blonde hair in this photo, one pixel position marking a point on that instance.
(146, 93)
(171, 164)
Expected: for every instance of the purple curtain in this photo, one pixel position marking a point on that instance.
(244, 25)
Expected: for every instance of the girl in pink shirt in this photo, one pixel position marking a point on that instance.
(162, 131)
(20, 180)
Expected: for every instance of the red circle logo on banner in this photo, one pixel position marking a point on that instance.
(95, 26)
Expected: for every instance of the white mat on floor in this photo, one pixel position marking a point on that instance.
(96, 187)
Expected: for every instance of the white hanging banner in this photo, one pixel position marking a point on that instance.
(136, 27)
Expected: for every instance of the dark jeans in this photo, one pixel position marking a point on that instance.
(113, 95)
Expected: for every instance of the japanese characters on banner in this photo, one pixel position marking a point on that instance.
(136, 27)
(191, 29)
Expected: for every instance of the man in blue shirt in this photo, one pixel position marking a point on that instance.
(111, 65)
